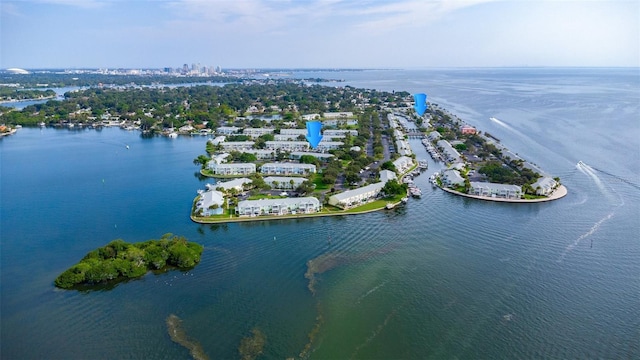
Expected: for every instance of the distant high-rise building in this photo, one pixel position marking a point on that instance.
(185, 68)
(218, 69)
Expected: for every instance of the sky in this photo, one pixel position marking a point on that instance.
(318, 33)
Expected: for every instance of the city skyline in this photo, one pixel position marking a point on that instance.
(318, 34)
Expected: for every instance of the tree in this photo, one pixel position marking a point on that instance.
(201, 160)
(388, 165)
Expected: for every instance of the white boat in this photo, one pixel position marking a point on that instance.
(173, 135)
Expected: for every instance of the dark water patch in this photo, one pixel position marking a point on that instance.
(252, 347)
(179, 335)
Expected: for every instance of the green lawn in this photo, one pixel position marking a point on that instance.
(317, 181)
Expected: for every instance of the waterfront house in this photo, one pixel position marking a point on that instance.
(217, 140)
(220, 158)
(467, 130)
(452, 178)
(495, 190)
(402, 164)
(544, 186)
(300, 205)
(237, 184)
(288, 168)
(232, 169)
(210, 203)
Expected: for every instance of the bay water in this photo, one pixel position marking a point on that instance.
(443, 277)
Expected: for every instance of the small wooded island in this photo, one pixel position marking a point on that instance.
(120, 260)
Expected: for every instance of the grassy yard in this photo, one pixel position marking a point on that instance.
(317, 181)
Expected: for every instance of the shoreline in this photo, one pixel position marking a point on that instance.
(559, 193)
(201, 220)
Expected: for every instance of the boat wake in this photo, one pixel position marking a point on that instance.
(592, 173)
(370, 292)
(593, 229)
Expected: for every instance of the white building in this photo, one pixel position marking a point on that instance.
(285, 137)
(452, 178)
(341, 122)
(386, 175)
(451, 154)
(237, 145)
(227, 130)
(217, 140)
(335, 132)
(256, 132)
(296, 155)
(338, 115)
(301, 205)
(403, 163)
(288, 169)
(287, 145)
(545, 186)
(310, 117)
(220, 158)
(434, 135)
(284, 182)
(262, 154)
(237, 184)
(233, 169)
(293, 132)
(403, 148)
(495, 190)
(210, 203)
(329, 145)
(355, 197)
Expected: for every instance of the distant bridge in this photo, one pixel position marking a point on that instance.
(415, 135)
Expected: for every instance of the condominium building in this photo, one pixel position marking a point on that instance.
(288, 168)
(355, 197)
(284, 182)
(301, 205)
(237, 145)
(496, 190)
(232, 169)
(287, 145)
(227, 130)
(256, 132)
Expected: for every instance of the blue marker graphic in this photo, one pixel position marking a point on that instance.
(421, 103)
(313, 133)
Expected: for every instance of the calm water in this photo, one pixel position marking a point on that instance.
(443, 277)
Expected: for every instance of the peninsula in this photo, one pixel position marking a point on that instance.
(120, 260)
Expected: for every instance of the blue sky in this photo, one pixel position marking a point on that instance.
(318, 33)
